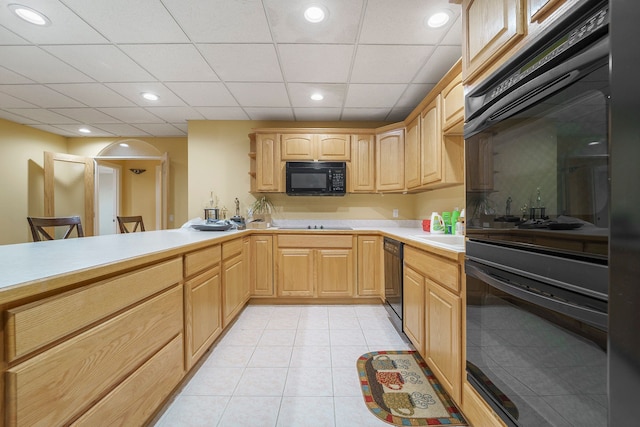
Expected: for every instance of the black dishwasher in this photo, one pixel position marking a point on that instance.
(393, 280)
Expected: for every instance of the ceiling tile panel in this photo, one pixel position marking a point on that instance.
(8, 77)
(289, 26)
(243, 62)
(131, 115)
(56, 130)
(17, 118)
(203, 94)
(40, 95)
(36, 64)
(66, 26)
(93, 94)
(221, 21)
(365, 114)
(388, 64)
(121, 129)
(43, 116)
(8, 101)
(161, 129)
(454, 34)
(104, 63)
(260, 94)
(413, 95)
(133, 92)
(9, 38)
(175, 114)
(86, 115)
(440, 62)
(126, 21)
(73, 130)
(300, 94)
(318, 114)
(270, 113)
(172, 62)
(316, 63)
(365, 95)
(403, 21)
(222, 113)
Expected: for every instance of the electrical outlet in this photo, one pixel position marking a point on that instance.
(395, 213)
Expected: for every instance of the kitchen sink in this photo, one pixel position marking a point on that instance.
(442, 239)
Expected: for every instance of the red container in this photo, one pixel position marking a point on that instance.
(426, 225)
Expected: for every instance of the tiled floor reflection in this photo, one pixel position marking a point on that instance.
(287, 366)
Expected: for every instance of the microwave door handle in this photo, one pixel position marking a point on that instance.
(587, 315)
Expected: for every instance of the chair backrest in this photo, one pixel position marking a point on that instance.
(38, 226)
(136, 220)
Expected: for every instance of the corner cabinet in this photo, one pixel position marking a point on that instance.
(433, 314)
(390, 161)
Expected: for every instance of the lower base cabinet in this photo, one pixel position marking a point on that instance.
(413, 310)
(234, 280)
(203, 314)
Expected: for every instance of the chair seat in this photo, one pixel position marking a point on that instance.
(38, 226)
(135, 220)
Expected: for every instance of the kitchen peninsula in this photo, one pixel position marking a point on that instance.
(116, 322)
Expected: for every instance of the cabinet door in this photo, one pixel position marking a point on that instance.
(362, 165)
(412, 154)
(334, 147)
(203, 314)
(443, 337)
(267, 163)
(233, 276)
(453, 106)
(369, 276)
(297, 146)
(431, 143)
(295, 272)
(390, 161)
(246, 261)
(261, 267)
(413, 307)
(490, 28)
(334, 272)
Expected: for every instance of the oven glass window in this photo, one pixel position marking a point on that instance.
(542, 367)
(541, 176)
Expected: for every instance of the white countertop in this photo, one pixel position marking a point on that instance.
(31, 262)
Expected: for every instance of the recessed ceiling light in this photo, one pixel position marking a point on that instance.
(84, 130)
(315, 14)
(317, 97)
(30, 15)
(123, 144)
(150, 96)
(438, 19)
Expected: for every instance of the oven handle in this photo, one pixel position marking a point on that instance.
(581, 313)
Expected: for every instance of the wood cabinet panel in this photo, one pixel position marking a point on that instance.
(231, 248)
(261, 266)
(413, 308)
(431, 151)
(268, 166)
(390, 161)
(445, 272)
(477, 411)
(453, 106)
(361, 173)
(136, 398)
(334, 147)
(334, 270)
(443, 337)
(32, 326)
(369, 280)
(315, 241)
(88, 365)
(297, 146)
(200, 260)
(233, 276)
(295, 272)
(203, 314)
(412, 154)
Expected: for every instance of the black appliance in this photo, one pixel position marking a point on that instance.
(393, 254)
(316, 178)
(537, 202)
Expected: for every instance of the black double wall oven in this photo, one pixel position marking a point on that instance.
(537, 202)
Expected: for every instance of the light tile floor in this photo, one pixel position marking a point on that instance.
(287, 366)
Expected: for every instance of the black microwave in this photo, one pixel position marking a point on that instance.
(316, 178)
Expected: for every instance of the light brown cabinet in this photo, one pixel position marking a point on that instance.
(433, 314)
(390, 161)
(412, 154)
(234, 280)
(431, 142)
(265, 156)
(490, 28)
(312, 146)
(261, 266)
(453, 106)
(369, 280)
(361, 170)
(315, 266)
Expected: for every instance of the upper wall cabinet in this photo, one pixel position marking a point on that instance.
(390, 161)
(315, 147)
(265, 166)
(490, 28)
(361, 170)
(453, 106)
(412, 156)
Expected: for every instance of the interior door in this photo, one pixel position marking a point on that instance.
(107, 198)
(55, 182)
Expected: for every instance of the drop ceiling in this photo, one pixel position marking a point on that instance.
(373, 60)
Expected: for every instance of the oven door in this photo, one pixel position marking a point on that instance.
(536, 353)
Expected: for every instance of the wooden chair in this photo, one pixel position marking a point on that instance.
(38, 225)
(136, 220)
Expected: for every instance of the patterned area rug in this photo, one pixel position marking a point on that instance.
(399, 388)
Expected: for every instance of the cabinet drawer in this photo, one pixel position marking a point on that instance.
(54, 386)
(314, 241)
(31, 326)
(231, 248)
(135, 400)
(442, 271)
(197, 261)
